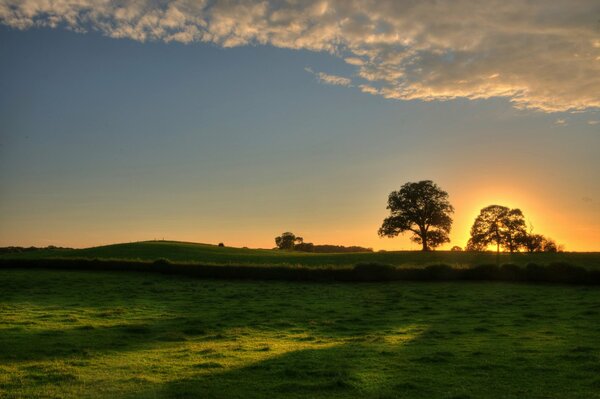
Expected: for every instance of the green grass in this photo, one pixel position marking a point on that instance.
(125, 335)
(212, 254)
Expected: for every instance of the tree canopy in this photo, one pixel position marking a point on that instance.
(421, 208)
(287, 240)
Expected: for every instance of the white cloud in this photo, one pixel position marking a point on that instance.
(538, 54)
(369, 89)
(560, 122)
(326, 78)
(593, 122)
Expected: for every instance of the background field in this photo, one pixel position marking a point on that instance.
(212, 254)
(123, 335)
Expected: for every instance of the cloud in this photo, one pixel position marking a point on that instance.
(369, 89)
(593, 122)
(330, 79)
(560, 122)
(538, 54)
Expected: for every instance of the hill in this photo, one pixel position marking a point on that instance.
(212, 254)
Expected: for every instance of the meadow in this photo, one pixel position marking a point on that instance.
(213, 254)
(133, 335)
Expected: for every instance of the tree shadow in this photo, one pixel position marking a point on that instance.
(440, 362)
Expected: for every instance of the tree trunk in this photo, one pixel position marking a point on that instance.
(424, 242)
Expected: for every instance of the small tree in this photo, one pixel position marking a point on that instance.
(287, 240)
(305, 247)
(498, 225)
(421, 208)
(533, 242)
(549, 245)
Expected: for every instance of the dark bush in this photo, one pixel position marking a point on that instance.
(561, 272)
(439, 272)
(221, 244)
(482, 272)
(558, 272)
(374, 271)
(511, 272)
(162, 265)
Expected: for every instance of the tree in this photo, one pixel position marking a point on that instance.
(305, 247)
(287, 240)
(456, 248)
(498, 225)
(549, 245)
(421, 208)
(540, 243)
(533, 242)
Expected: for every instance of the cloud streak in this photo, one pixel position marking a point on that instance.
(537, 54)
(328, 79)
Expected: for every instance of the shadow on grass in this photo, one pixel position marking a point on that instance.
(439, 363)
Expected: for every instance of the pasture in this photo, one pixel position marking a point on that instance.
(131, 335)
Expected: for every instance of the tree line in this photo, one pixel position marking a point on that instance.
(290, 241)
(423, 210)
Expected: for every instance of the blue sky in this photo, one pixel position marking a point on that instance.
(107, 139)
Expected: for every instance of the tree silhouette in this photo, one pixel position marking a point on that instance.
(498, 225)
(287, 240)
(539, 243)
(421, 208)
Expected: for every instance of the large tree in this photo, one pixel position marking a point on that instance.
(421, 208)
(498, 225)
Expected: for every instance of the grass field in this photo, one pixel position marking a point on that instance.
(212, 254)
(125, 335)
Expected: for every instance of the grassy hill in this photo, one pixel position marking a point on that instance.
(212, 254)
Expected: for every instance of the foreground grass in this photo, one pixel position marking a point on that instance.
(120, 335)
(212, 254)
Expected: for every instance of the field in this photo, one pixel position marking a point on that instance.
(127, 335)
(212, 254)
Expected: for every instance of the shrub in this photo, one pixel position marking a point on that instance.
(161, 263)
(482, 272)
(511, 272)
(439, 272)
(561, 272)
(374, 271)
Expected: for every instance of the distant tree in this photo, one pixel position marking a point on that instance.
(498, 225)
(328, 248)
(221, 244)
(549, 245)
(456, 248)
(287, 240)
(305, 247)
(421, 208)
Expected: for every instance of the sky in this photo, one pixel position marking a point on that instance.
(234, 121)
